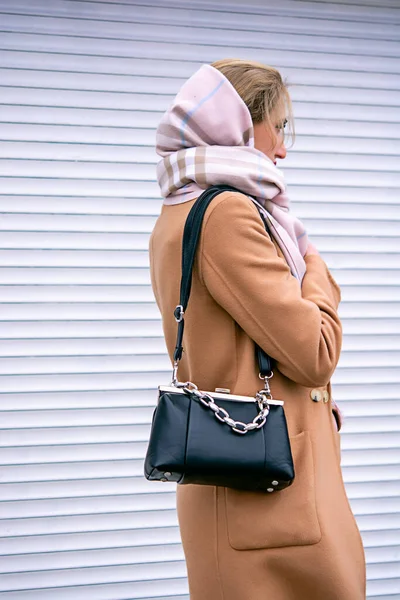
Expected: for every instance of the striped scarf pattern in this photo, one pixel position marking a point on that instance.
(206, 138)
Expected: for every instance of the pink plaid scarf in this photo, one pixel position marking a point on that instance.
(206, 138)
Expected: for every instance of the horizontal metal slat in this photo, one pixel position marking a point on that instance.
(371, 277)
(358, 12)
(87, 311)
(77, 187)
(368, 441)
(88, 540)
(379, 523)
(92, 575)
(358, 391)
(369, 310)
(380, 596)
(316, 144)
(381, 555)
(360, 260)
(85, 346)
(79, 134)
(380, 586)
(94, 505)
(370, 408)
(113, 206)
(383, 571)
(356, 376)
(76, 169)
(202, 18)
(349, 293)
(92, 558)
(375, 424)
(357, 343)
(366, 359)
(372, 507)
(344, 111)
(87, 450)
(380, 327)
(66, 382)
(149, 58)
(73, 488)
(385, 489)
(175, 34)
(74, 435)
(77, 418)
(371, 473)
(108, 293)
(74, 258)
(84, 223)
(337, 160)
(55, 96)
(82, 116)
(136, 590)
(336, 194)
(380, 456)
(368, 11)
(80, 240)
(340, 229)
(76, 152)
(72, 276)
(80, 329)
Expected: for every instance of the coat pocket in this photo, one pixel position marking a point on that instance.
(257, 520)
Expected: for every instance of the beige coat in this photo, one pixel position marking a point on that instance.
(301, 543)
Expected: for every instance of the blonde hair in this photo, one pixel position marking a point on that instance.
(262, 89)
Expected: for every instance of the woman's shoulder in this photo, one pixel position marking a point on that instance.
(228, 203)
(231, 214)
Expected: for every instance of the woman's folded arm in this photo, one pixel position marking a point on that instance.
(298, 326)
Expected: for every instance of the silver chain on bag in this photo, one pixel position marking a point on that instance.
(220, 413)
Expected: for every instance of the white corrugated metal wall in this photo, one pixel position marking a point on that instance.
(83, 86)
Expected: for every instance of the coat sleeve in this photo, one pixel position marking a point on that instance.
(297, 326)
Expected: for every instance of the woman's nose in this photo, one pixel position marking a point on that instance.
(280, 152)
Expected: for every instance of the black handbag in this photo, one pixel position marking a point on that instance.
(216, 438)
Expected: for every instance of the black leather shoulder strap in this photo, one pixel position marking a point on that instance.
(191, 235)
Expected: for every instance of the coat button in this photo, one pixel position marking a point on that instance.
(316, 395)
(325, 396)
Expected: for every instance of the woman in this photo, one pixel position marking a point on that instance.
(226, 126)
